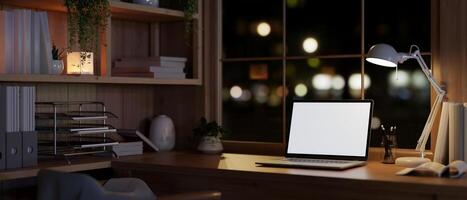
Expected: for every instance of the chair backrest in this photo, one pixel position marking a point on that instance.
(53, 185)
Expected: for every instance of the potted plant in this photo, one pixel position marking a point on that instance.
(209, 136)
(86, 20)
(154, 3)
(57, 62)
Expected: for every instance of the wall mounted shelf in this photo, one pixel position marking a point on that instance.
(154, 32)
(119, 9)
(27, 78)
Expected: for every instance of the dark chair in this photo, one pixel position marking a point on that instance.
(53, 185)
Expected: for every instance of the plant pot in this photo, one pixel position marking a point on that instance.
(210, 145)
(162, 133)
(147, 2)
(57, 67)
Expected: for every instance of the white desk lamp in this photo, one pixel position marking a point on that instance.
(386, 55)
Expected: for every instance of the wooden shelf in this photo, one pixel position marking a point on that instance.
(27, 78)
(49, 5)
(119, 9)
(83, 163)
(123, 10)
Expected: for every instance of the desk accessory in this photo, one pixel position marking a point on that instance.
(132, 133)
(455, 169)
(76, 132)
(386, 55)
(162, 133)
(128, 148)
(389, 140)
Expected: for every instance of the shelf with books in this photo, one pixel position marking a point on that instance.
(153, 31)
(153, 44)
(124, 10)
(28, 78)
(118, 9)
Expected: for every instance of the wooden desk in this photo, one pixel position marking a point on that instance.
(83, 163)
(237, 177)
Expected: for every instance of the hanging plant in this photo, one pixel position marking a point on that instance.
(86, 20)
(190, 9)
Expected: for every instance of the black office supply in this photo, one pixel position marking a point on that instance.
(29, 149)
(13, 150)
(2, 150)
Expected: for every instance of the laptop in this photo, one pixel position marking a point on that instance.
(327, 134)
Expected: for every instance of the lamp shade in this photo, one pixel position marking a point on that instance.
(383, 54)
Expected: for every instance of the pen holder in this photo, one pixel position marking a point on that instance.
(389, 143)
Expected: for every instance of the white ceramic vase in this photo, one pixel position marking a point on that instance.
(162, 133)
(210, 145)
(147, 2)
(57, 67)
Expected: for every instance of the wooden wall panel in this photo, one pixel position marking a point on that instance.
(51, 92)
(66, 93)
(173, 41)
(449, 50)
(211, 80)
(129, 39)
(137, 107)
(112, 97)
(453, 48)
(184, 104)
(58, 28)
(82, 92)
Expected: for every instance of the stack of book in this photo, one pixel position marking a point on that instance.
(170, 67)
(128, 148)
(25, 45)
(161, 67)
(451, 142)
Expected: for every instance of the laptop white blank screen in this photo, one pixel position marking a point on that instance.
(329, 128)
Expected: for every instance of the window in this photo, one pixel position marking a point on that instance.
(274, 51)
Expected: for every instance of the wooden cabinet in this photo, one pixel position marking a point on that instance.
(133, 30)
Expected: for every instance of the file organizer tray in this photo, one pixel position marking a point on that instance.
(67, 132)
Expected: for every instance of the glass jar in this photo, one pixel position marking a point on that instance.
(389, 144)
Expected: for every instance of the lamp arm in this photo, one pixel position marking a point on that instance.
(427, 72)
(421, 144)
(436, 106)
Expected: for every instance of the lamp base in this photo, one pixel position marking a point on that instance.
(411, 161)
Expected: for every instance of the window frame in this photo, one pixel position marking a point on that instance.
(269, 148)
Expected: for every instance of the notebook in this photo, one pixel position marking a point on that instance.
(327, 134)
